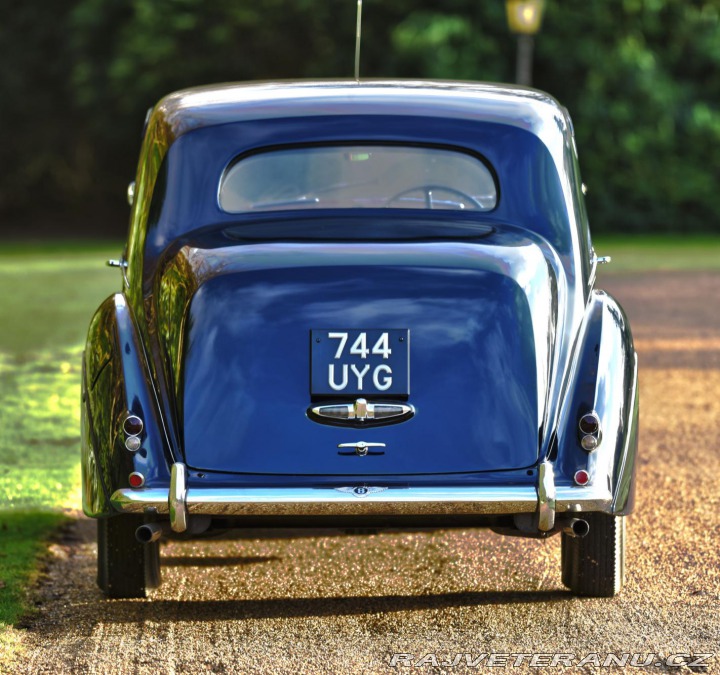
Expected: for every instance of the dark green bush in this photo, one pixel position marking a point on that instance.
(640, 77)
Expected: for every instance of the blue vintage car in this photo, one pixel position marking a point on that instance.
(359, 305)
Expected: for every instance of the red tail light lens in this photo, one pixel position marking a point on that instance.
(582, 477)
(136, 479)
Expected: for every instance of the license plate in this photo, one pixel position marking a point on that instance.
(360, 362)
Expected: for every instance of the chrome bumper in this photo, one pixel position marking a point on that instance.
(180, 502)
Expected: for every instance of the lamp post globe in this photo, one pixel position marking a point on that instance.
(524, 19)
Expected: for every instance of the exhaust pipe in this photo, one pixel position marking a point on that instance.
(577, 527)
(149, 532)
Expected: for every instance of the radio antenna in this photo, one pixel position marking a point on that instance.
(358, 29)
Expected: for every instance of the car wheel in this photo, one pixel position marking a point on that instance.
(126, 568)
(594, 565)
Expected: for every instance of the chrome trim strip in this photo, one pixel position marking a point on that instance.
(329, 501)
(623, 485)
(578, 499)
(393, 501)
(546, 497)
(136, 501)
(176, 497)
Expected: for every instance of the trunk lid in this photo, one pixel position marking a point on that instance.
(481, 322)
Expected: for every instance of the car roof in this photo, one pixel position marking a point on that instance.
(199, 107)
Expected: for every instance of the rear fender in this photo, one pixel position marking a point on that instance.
(603, 378)
(116, 382)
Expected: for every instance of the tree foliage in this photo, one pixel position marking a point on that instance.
(640, 77)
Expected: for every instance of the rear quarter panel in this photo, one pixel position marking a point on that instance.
(116, 382)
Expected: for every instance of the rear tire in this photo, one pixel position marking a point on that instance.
(126, 568)
(594, 565)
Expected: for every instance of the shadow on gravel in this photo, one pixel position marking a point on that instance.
(215, 561)
(124, 611)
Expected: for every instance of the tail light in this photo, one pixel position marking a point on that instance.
(133, 443)
(136, 479)
(133, 426)
(582, 477)
(590, 431)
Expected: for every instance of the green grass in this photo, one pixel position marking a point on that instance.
(23, 543)
(655, 253)
(22, 540)
(49, 294)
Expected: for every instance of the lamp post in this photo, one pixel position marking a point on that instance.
(524, 19)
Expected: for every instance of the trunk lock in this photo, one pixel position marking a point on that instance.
(361, 448)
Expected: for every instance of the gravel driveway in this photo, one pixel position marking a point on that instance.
(341, 604)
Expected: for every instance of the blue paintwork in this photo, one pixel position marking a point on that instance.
(508, 342)
(531, 191)
(472, 356)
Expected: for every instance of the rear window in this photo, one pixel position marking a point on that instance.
(358, 176)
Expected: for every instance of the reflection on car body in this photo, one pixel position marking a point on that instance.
(359, 305)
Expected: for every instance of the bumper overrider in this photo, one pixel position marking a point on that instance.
(544, 499)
